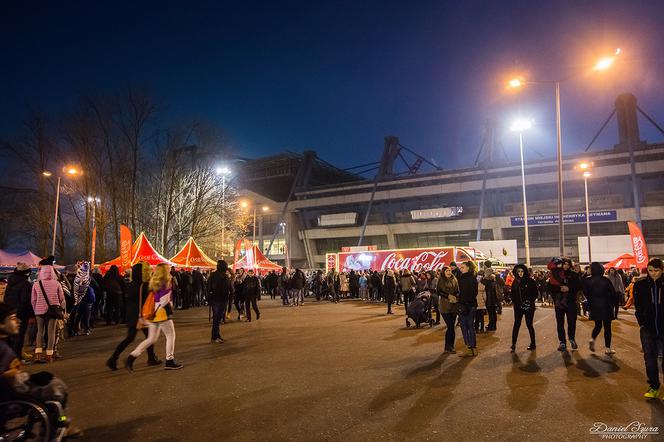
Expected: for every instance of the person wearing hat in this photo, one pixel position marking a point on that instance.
(17, 296)
(46, 292)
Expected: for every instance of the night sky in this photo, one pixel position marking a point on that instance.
(338, 76)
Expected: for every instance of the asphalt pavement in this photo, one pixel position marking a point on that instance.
(350, 372)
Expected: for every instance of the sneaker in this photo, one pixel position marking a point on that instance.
(533, 347)
(172, 365)
(449, 351)
(512, 348)
(468, 353)
(651, 393)
(562, 347)
(217, 341)
(573, 344)
(258, 316)
(609, 351)
(153, 362)
(591, 345)
(112, 363)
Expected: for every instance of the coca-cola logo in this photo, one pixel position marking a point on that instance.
(423, 261)
(637, 244)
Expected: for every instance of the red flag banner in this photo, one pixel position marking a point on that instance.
(638, 245)
(125, 246)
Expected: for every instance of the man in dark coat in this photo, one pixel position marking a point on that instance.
(602, 302)
(251, 290)
(220, 288)
(649, 304)
(198, 285)
(17, 296)
(354, 284)
(138, 293)
(565, 305)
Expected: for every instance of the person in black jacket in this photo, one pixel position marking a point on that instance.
(138, 292)
(565, 304)
(389, 290)
(251, 290)
(220, 288)
(602, 302)
(524, 294)
(17, 296)
(467, 305)
(115, 289)
(649, 305)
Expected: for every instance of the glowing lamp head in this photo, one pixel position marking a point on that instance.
(244, 204)
(72, 171)
(265, 208)
(46, 173)
(91, 199)
(223, 171)
(586, 174)
(515, 83)
(584, 166)
(521, 125)
(605, 63)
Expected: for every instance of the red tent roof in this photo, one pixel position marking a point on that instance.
(192, 256)
(141, 250)
(254, 259)
(625, 261)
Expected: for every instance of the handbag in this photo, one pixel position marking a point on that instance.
(53, 311)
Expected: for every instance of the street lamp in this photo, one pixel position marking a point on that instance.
(585, 168)
(245, 205)
(94, 200)
(223, 171)
(69, 171)
(516, 83)
(521, 125)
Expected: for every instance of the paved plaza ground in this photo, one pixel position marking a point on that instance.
(349, 372)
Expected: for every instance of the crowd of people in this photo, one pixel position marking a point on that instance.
(40, 314)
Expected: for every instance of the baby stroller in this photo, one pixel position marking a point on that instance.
(419, 310)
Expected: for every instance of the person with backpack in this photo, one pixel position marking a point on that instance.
(158, 311)
(251, 290)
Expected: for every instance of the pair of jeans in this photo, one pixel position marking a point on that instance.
(249, 303)
(297, 295)
(48, 325)
(519, 314)
(168, 329)
(571, 323)
(131, 335)
(607, 331)
(450, 335)
(83, 316)
(651, 342)
(479, 319)
(218, 310)
(467, 322)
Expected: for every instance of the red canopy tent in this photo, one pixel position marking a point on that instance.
(625, 261)
(8, 259)
(254, 259)
(141, 250)
(192, 256)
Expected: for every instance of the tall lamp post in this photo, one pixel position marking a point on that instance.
(585, 168)
(69, 171)
(224, 172)
(520, 126)
(245, 205)
(94, 200)
(602, 64)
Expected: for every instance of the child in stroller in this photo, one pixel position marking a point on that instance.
(419, 310)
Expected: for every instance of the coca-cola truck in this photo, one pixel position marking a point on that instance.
(417, 260)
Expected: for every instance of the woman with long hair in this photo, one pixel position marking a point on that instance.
(467, 305)
(448, 292)
(524, 294)
(161, 289)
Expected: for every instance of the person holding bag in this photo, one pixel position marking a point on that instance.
(48, 303)
(157, 311)
(138, 293)
(524, 294)
(447, 289)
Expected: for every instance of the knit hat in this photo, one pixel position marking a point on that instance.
(5, 311)
(48, 261)
(22, 267)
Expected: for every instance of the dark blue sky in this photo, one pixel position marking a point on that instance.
(337, 76)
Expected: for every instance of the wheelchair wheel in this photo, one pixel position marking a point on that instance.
(23, 421)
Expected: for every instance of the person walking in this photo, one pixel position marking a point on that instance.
(298, 281)
(18, 297)
(407, 284)
(138, 293)
(564, 285)
(251, 290)
(524, 294)
(220, 288)
(159, 319)
(480, 310)
(448, 292)
(46, 292)
(389, 290)
(618, 287)
(467, 305)
(649, 305)
(602, 304)
(489, 282)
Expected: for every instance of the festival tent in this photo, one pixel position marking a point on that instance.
(192, 256)
(141, 250)
(625, 261)
(8, 259)
(254, 259)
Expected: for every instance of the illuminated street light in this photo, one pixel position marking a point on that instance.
(585, 166)
(46, 173)
(605, 63)
(521, 125)
(515, 83)
(72, 172)
(244, 204)
(265, 208)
